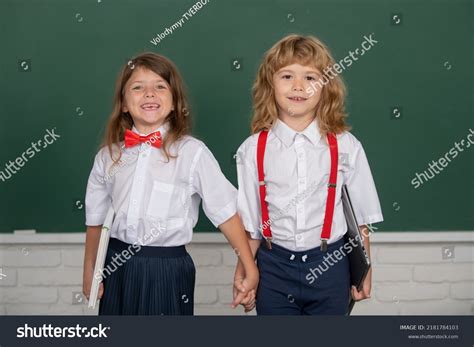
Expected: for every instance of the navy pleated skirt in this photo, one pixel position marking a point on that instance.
(145, 280)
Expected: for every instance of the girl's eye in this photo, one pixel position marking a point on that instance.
(160, 86)
(311, 78)
(286, 77)
(136, 88)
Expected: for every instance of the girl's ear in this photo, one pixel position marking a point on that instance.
(124, 104)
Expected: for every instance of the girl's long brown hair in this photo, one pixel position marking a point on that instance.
(179, 119)
(307, 51)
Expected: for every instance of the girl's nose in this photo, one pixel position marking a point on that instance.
(149, 92)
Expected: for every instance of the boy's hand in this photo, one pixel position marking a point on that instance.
(249, 301)
(366, 288)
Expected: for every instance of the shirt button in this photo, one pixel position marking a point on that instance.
(300, 155)
(134, 202)
(300, 210)
(298, 237)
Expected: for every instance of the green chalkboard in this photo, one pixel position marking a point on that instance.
(409, 100)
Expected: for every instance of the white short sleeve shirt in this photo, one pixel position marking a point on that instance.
(297, 167)
(156, 202)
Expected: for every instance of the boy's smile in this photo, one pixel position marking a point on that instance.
(297, 99)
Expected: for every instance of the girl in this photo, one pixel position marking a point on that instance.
(298, 106)
(154, 175)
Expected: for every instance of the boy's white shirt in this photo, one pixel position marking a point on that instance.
(157, 202)
(296, 167)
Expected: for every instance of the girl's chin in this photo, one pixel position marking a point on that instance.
(154, 123)
(151, 119)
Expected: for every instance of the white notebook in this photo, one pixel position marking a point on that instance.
(100, 260)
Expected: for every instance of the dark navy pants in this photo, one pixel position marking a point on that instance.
(303, 283)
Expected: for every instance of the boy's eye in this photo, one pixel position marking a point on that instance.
(136, 87)
(160, 86)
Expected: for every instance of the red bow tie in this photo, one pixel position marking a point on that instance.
(133, 139)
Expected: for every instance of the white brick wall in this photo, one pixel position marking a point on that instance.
(413, 274)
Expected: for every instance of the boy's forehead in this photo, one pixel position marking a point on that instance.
(297, 67)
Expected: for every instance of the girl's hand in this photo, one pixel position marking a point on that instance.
(243, 296)
(87, 284)
(90, 254)
(244, 290)
(239, 291)
(366, 288)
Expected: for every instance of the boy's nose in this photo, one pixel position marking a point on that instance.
(298, 85)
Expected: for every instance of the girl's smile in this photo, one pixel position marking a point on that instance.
(150, 106)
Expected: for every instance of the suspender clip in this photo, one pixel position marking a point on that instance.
(331, 185)
(324, 245)
(268, 242)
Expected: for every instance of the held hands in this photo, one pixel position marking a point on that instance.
(366, 288)
(244, 290)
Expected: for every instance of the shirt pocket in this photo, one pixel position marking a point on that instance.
(167, 204)
(317, 207)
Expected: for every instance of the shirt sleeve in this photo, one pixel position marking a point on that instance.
(219, 196)
(98, 199)
(362, 190)
(248, 201)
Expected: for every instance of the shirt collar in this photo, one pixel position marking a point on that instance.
(312, 132)
(287, 134)
(163, 129)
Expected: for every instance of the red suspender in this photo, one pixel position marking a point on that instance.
(262, 143)
(330, 202)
